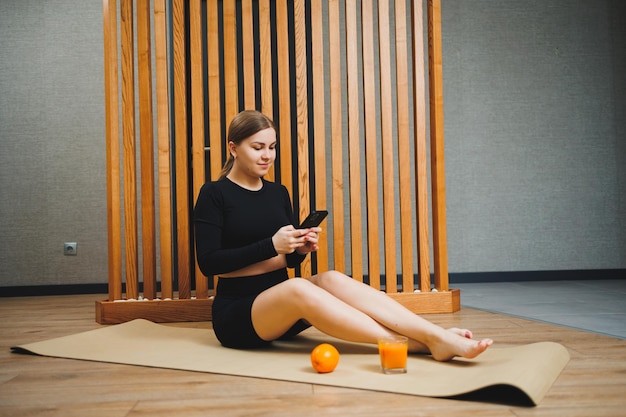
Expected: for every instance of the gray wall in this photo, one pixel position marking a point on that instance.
(534, 130)
(52, 154)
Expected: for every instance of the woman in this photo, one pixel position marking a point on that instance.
(245, 235)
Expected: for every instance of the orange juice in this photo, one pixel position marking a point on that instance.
(393, 354)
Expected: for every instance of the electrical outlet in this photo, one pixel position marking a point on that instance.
(70, 248)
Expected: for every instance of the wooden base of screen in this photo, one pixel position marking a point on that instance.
(158, 311)
(430, 302)
(169, 311)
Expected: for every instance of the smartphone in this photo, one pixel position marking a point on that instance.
(313, 219)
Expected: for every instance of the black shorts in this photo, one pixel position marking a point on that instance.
(232, 310)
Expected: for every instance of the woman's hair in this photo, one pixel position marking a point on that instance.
(244, 125)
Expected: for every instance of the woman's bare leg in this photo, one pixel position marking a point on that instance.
(442, 344)
(275, 310)
(341, 307)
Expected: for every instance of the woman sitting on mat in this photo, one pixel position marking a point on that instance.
(245, 234)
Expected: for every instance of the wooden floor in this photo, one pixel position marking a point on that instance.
(592, 384)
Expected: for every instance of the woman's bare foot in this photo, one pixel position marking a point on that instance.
(457, 342)
(418, 347)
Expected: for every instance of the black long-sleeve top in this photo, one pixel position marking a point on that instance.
(234, 226)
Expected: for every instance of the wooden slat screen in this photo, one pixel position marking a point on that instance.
(345, 83)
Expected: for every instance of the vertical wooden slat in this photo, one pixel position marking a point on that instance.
(354, 152)
(440, 251)
(197, 119)
(247, 40)
(386, 115)
(421, 171)
(129, 146)
(404, 151)
(181, 149)
(319, 117)
(214, 81)
(265, 48)
(231, 107)
(336, 136)
(214, 88)
(114, 206)
(371, 145)
(302, 115)
(284, 96)
(284, 99)
(163, 140)
(146, 149)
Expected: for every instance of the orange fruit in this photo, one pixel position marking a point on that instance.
(324, 358)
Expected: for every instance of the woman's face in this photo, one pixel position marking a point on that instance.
(255, 155)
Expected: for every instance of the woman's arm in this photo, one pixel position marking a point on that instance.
(215, 260)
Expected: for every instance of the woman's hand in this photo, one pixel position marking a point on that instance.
(311, 239)
(288, 239)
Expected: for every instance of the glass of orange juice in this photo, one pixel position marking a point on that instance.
(393, 352)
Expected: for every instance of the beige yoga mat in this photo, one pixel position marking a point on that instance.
(530, 369)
